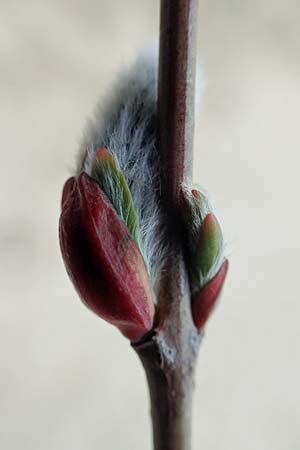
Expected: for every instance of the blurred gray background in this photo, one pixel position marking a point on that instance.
(70, 381)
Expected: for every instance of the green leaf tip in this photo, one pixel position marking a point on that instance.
(106, 171)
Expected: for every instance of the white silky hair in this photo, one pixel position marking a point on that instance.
(126, 125)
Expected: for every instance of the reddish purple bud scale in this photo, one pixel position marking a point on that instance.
(205, 301)
(67, 189)
(103, 261)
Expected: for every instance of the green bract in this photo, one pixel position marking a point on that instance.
(204, 240)
(209, 247)
(109, 176)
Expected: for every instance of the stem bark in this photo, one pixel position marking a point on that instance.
(169, 353)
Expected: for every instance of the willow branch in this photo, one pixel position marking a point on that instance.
(169, 354)
(176, 91)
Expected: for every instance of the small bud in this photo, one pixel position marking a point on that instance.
(209, 247)
(102, 260)
(205, 301)
(204, 254)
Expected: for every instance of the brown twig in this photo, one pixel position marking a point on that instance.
(176, 90)
(169, 353)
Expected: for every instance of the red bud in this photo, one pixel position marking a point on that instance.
(205, 301)
(103, 261)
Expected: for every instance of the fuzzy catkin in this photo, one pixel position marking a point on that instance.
(126, 125)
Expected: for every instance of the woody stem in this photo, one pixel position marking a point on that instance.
(169, 354)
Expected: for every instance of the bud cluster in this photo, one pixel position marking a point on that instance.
(113, 229)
